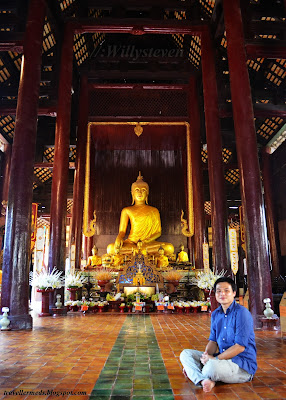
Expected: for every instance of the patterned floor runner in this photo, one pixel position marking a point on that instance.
(134, 368)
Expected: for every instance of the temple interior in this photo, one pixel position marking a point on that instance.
(142, 155)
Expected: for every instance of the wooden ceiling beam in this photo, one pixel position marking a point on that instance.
(10, 109)
(11, 41)
(259, 49)
(260, 111)
(137, 26)
(169, 5)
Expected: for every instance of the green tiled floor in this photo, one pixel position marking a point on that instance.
(134, 368)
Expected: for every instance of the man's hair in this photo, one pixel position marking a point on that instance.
(226, 279)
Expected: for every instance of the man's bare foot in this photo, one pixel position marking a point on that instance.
(207, 385)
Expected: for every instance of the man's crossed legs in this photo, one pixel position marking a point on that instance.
(214, 370)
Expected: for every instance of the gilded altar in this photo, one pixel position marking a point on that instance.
(140, 274)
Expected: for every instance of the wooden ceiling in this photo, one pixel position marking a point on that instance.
(154, 59)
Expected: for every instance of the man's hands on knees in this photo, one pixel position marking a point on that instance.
(206, 357)
(211, 349)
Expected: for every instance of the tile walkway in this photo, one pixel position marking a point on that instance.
(135, 368)
(118, 355)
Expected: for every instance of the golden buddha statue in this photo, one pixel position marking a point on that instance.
(117, 259)
(182, 255)
(145, 223)
(94, 260)
(162, 261)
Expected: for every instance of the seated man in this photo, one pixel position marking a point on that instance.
(230, 355)
(145, 224)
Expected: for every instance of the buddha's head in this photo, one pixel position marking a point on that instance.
(140, 191)
(94, 250)
(161, 251)
(182, 247)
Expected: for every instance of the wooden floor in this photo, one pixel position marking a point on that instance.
(67, 354)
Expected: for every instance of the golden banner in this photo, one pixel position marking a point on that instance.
(34, 224)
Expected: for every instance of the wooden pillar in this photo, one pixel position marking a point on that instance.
(272, 227)
(15, 281)
(61, 158)
(78, 194)
(220, 254)
(197, 173)
(259, 281)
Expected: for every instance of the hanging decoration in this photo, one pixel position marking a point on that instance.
(233, 250)
(34, 224)
(242, 229)
(88, 226)
(206, 257)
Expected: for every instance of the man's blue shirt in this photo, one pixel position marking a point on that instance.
(235, 327)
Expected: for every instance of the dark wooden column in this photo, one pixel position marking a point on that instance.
(197, 173)
(259, 281)
(78, 194)
(61, 157)
(215, 163)
(15, 282)
(272, 227)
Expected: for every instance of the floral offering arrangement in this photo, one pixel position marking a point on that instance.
(45, 280)
(103, 275)
(206, 280)
(75, 280)
(173, 275)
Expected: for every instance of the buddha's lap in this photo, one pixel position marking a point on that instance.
(151, 247)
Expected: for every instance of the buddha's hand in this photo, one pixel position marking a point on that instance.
(118, 242)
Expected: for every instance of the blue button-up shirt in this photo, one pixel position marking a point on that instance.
(235, 327)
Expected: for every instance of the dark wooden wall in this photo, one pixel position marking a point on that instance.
(117, 169)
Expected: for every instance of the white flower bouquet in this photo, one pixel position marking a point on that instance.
(206, 280)
(45, 280)
(75, 280)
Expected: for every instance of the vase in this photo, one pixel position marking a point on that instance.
(73, 292)
(102, 283)
(74, 308)
(172, 289)
(129, 308)
(122, 309)
(147, 308)
(45, 301)
(100, 309)
(187, 310)
(214, 303)
(207, 294)
(4, 321)
(195, 310)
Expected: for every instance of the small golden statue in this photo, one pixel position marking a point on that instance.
(117, 259)
(183, 255)
(139, 279)
(94, 260)
(145, 224)
(162, 261)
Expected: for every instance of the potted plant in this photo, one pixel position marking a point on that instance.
(46, 282)
(103, 276)
(173, 278)
(74, 281)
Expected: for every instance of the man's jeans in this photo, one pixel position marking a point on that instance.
(216, 370)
